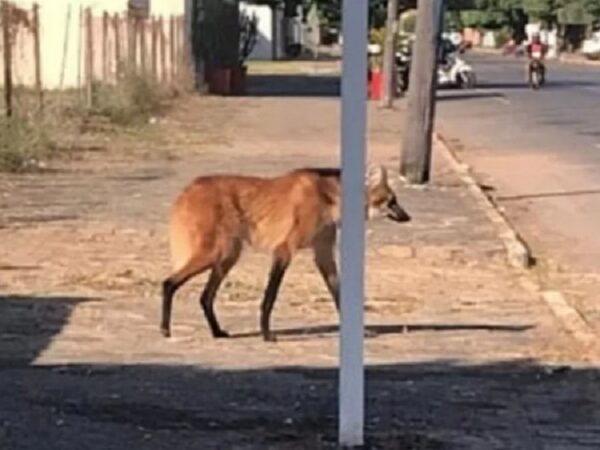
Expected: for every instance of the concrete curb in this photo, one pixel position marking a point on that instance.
(561, 59)
(518, 254)
(485, 51)
(520, 257)
(578, 61)
(571, 319)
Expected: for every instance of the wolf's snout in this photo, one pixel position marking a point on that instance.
(396, 212)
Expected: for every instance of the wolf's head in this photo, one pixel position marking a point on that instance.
(381, 199)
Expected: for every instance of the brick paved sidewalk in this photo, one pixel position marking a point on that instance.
(463, 355)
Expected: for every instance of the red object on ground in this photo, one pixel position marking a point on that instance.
(375, 84)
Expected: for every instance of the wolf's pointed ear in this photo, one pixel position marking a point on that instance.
(376, 176)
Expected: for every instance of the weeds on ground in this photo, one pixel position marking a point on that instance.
(131, 102)
(27, 139)
(24, 144)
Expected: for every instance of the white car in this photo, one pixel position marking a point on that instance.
(591, 46)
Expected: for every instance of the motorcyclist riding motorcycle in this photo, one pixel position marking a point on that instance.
(536, 50)
(446, 50)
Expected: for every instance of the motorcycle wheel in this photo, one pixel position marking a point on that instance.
(535, 79)
(467, 80)
(401, 83)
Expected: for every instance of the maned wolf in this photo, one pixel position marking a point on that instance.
(216, 215)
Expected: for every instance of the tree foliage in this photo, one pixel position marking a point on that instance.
(509, 12)
(331, 10)
(481, 13)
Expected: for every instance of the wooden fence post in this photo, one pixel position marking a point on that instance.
(163, 50)
(65, 47)
(188, 62)
(187, 46)
(80, 51)
(180, 45)
(7, 47)
(143, 48)
(37, 57)
(104, 47)
(89, 58)
(131, 42)
(117, 30)
(154, 49)
(172, 47)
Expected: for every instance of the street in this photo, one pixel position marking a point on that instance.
(538, 153)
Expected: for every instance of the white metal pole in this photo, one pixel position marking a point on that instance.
(354, 95)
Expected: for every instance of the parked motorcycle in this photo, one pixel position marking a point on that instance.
(456, 72)
(453, 71)
(403, 60)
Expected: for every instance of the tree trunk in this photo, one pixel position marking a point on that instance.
(416, 155)
(391, 28)
(218, 33)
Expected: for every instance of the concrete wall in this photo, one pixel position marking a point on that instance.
(62, 39)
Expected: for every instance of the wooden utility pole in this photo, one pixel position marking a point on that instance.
(391, 28)
(415, 164)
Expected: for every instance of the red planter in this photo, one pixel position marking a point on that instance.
(375, 88)
(375, 84)
(219, 81)
(227, 81)
(238, 80)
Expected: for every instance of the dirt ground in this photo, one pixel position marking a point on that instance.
(462, 355)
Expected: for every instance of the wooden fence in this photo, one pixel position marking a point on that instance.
(96, 47)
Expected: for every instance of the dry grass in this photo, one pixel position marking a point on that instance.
(29, 138)
(131, 102)
(24, 143)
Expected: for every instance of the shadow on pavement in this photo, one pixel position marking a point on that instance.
(440, 404)
(279, 85)
(29, 323)
(428, 405)
(382, 330)
(446, 96)
(523, 85)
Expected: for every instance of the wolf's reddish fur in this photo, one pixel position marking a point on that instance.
(215, 216)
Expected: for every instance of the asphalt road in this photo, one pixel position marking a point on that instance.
(539, 152)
